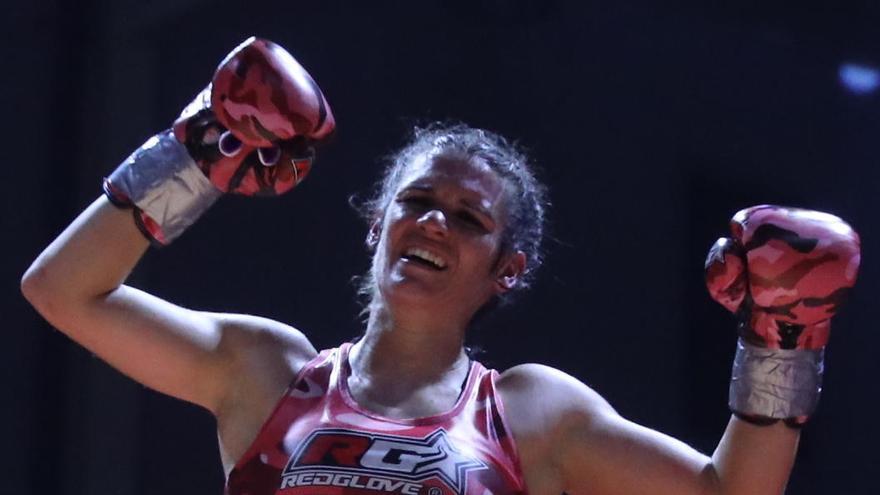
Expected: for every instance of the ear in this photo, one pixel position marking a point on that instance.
(373, 235)
(510, 271)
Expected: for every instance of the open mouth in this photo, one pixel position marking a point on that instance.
(425, 258)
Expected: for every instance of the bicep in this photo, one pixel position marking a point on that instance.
(76, 284)
(573, 441)
(191, 355)
(168, 348)
(607, 454)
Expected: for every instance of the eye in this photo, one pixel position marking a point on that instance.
(471, 220)
(415, 201)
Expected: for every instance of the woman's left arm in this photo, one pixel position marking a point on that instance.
(574, 441)
(784, 272)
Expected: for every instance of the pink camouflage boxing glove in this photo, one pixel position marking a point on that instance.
(784, 273)
(250, 132)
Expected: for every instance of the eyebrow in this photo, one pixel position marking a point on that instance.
(476, 207)
(464, 201)
(418, 187)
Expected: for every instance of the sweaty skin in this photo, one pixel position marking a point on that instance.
(410, 361)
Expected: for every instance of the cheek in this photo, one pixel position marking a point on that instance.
(392, 226)
(393, 218)
(390, 237)
(485, 251)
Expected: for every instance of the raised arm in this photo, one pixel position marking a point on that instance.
(784, 273)
(76, 284)
(250, 132)
(573, 441)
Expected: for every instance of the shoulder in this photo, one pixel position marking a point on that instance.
(542, 403)
(262, 356)
(242, 332)
(570, 440)
(546, 408)
(557, 392)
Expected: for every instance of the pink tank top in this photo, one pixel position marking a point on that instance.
(318, 441)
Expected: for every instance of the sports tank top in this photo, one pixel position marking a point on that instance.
(318, 441)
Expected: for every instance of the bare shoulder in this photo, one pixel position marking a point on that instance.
(539, 392)
(248, 333)
(543, 405)
(571, 440)
(264, 356)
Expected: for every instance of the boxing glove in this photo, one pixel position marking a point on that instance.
(784, 273)
(251, 131)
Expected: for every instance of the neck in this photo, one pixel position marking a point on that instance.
(408, 350)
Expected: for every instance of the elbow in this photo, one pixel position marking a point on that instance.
(32, 284)
(711, 480)
(41, 292)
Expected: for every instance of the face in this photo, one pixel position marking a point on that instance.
(439, 241)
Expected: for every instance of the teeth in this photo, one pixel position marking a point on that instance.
(427, 256)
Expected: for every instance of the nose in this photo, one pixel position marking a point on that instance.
(433, 222)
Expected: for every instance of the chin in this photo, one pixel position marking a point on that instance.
(412, 290)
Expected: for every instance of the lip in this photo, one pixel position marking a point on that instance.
(432, 248)
(415, 265)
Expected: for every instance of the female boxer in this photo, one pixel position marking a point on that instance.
(456, 224)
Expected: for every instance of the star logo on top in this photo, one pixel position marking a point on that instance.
(376, 462)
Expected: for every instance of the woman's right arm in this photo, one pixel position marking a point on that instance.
(249, 132)
(76, 283)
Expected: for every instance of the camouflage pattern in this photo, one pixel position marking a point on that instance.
(319, 441)
(268, 111)
(265, 99)
(784, 273)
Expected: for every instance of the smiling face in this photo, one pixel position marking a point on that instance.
(440, 239)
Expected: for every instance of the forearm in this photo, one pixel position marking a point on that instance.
(754, 460)
(90, 258)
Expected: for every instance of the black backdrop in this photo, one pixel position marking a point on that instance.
(653, 124)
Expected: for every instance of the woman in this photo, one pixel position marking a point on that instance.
(455, 226)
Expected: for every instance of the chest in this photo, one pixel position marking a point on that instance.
(413, 402)
(319, 440)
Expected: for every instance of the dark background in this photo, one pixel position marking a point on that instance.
(653, 123)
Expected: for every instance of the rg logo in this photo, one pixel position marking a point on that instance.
(411, 459)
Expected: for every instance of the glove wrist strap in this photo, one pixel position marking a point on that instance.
(775, 383)
(165, 184)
